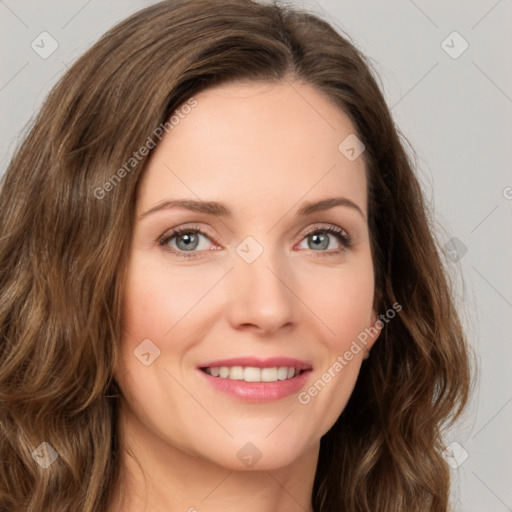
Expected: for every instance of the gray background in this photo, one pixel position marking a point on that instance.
(456, 112)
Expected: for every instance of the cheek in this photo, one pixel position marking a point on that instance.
(343, 302)
(163, 315)
(342, 299)
(158, 304)
(159, 298)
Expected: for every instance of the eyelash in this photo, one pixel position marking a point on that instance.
(343, 237)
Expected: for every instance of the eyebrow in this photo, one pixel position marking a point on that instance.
(326, 204)
(221, 210)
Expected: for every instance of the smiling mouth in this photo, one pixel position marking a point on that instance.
(254, 374)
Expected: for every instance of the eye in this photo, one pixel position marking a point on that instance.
(183, 240)
(321, 239)
(191, 241)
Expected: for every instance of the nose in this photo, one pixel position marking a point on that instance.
(261, 295)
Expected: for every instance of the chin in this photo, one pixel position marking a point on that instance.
(259, 454)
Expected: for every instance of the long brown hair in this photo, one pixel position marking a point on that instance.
(63, 249)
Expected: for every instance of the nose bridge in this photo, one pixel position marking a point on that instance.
(261, 293)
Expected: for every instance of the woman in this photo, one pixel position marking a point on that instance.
(210, 227)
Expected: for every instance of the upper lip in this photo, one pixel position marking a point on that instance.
(254, 362)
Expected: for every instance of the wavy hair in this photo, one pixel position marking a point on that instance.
(64, 247)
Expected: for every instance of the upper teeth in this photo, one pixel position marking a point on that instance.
(252, 374)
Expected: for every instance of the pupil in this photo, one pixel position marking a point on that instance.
(321, 241)
(190, 240)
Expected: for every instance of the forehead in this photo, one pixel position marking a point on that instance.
(256, 146)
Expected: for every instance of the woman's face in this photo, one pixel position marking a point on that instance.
(240, 341)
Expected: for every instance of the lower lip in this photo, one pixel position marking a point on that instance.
(258, 392)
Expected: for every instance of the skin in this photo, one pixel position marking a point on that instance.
(263, 149)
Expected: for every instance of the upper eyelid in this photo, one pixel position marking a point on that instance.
(174, 232)
(319, 227)
(185, 228)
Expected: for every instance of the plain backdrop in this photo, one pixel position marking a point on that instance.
(446, 71)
